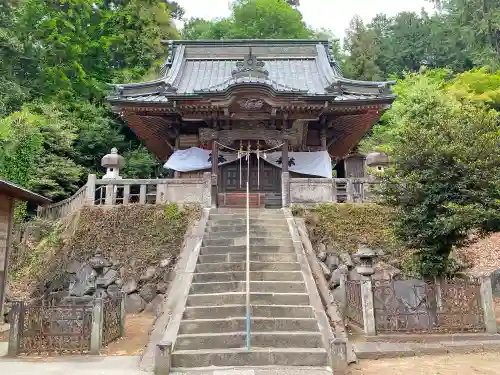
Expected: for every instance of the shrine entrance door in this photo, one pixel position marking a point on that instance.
(264, 183)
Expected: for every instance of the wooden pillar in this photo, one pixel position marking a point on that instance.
(323, 133)
(215, 167)
(284, 155)
(177, 146)
(6, 215)
(285, 175)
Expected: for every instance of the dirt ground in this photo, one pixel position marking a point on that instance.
(456, 364)
(137, 329)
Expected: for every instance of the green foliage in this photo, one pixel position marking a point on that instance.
(21, 144)
(350, 225)
(257, 19)
(477, 85)
(57, 59)
(462, 35)
(445, 180)
(361, 42)
(140, 164)
(477, 23)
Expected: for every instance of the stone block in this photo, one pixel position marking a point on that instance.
(495, 283)
(161, 287)
(134, 304)
(109, 277)
(84, 281)
(148, 292)
(346, 259)
(322, 256)
(73, 267)
(148, 274)
(130, 286)
(114, 291)
(325, 269)
(155, 305)
(165, 262)
(335, 278)
(332, 261)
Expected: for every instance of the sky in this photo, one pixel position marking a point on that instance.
(330, 14)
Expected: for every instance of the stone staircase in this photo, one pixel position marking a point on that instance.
(284, 325)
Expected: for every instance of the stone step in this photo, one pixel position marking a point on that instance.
(258, 340)
(260, 222)
(261, 233)
(261, 311)
(241, 266)
(244, 210)
(254, 275)
(255, 357)
(255, 286)
(239, 325)
(243, 216)
(217, 299)
(379, 350)
(254, 241)
(241, 257)
(241, 227)
(210, 250)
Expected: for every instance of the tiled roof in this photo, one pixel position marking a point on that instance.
(299, 75)
(303, 68)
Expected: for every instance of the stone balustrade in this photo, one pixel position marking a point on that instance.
(111, 192)
(322, 190)
(153, 191)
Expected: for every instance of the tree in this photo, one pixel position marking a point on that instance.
(21, 144)
(259, 19)
(176, 11)
(60, 56)
(477, 22)
(363, 51)
(477, 85)
(13, 66)
(445, 180)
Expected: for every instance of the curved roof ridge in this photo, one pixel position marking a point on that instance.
(324, 65)
(174, 70)
(246, 41)
(242, 80)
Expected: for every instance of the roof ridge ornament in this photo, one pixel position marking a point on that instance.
(250, 67)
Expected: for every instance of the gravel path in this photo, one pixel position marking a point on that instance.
(456, 364)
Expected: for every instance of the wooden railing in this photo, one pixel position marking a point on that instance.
(66, 207)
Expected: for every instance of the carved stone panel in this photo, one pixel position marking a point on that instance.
(207, 134)
(251, 103)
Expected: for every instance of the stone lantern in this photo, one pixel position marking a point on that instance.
(113, 163)
(366, 257)
(98, 262)
(377, 160)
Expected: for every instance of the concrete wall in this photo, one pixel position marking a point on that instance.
(311, 190)
(179, 192)
(5, 226)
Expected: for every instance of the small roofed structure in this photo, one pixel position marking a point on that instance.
(378, 160)
(10, 192)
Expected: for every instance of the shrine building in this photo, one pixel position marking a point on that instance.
(262, 111)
